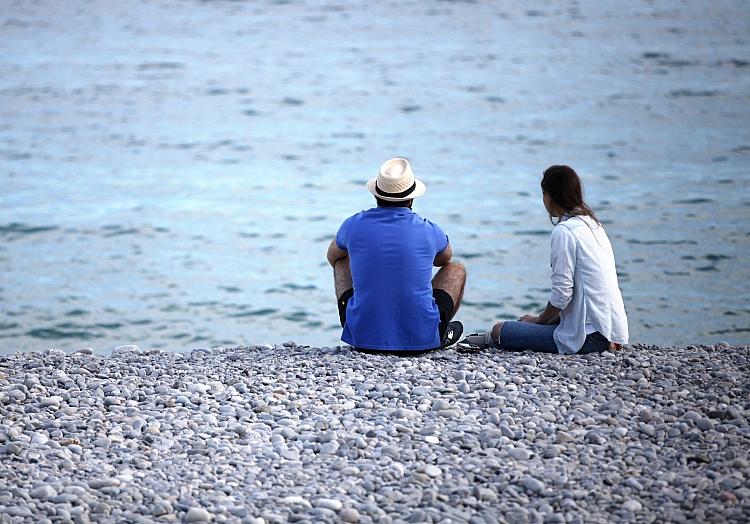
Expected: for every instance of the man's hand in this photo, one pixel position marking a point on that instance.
(533, 319)
(335, 253)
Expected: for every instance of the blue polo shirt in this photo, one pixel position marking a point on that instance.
(391, 252)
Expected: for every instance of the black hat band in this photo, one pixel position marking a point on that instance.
(402, 194)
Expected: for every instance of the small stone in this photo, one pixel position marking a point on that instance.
(633, 482)
(102, 442)
(52, 402)
(329, 448)
(506, 431)
(349, 515)
(295, 500)
(196, 514)
(331, 504)
(86, 351)
(594, 437)
(485, 494)
(432, 439)
(13, 449)
(632, 505)
(161, 507)
(43, 492)
(532, 484)
(440, 404)
(549, 417)
(564, 438)
(39, 439)
(126, 348)
(612, 407)
(730, 483)
(705, 424)
(103, 483)
(240, 429)
(520, 453)
(17, 395)
(433, 471)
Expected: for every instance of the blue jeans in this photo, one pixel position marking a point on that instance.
(525, 336)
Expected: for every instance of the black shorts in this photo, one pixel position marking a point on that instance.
(445, 307)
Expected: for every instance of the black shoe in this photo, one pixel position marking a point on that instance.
(452, 333)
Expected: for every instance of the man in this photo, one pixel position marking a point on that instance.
(382, 262)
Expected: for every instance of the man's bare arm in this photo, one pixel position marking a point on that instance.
(335, 253)
(442, 258)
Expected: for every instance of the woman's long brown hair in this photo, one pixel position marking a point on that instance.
(564, 187)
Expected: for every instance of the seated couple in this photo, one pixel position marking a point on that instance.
(389, 302)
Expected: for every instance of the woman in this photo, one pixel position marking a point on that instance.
(585, 312)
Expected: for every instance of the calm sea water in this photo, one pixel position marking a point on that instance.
(171, 173)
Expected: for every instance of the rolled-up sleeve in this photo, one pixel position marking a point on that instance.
(563, 262)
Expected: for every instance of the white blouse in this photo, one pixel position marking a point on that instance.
(584, 285)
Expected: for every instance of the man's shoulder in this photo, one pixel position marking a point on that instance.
(426, 221)
(355, 217)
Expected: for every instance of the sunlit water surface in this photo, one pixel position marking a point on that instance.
(171, 173)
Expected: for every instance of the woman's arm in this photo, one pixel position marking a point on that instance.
(550, 315)
(563, 262)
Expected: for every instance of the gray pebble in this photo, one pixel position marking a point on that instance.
(532, 484)
(196, 514)
(519, 453)
(331, 504)
(632, 505)
(288, 433)
(632, 482)
(349, 515)
(44, 491)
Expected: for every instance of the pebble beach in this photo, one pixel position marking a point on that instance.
(288, 433)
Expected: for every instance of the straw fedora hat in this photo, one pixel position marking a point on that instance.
(395, 182)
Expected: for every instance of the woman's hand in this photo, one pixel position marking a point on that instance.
(550, 315)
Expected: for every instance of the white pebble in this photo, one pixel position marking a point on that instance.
(43, 492)
(331, 504)
(195, 514)
(433, 471)
(632, 505)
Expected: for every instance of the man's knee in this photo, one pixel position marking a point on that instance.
(459, 268)
(454, 269)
